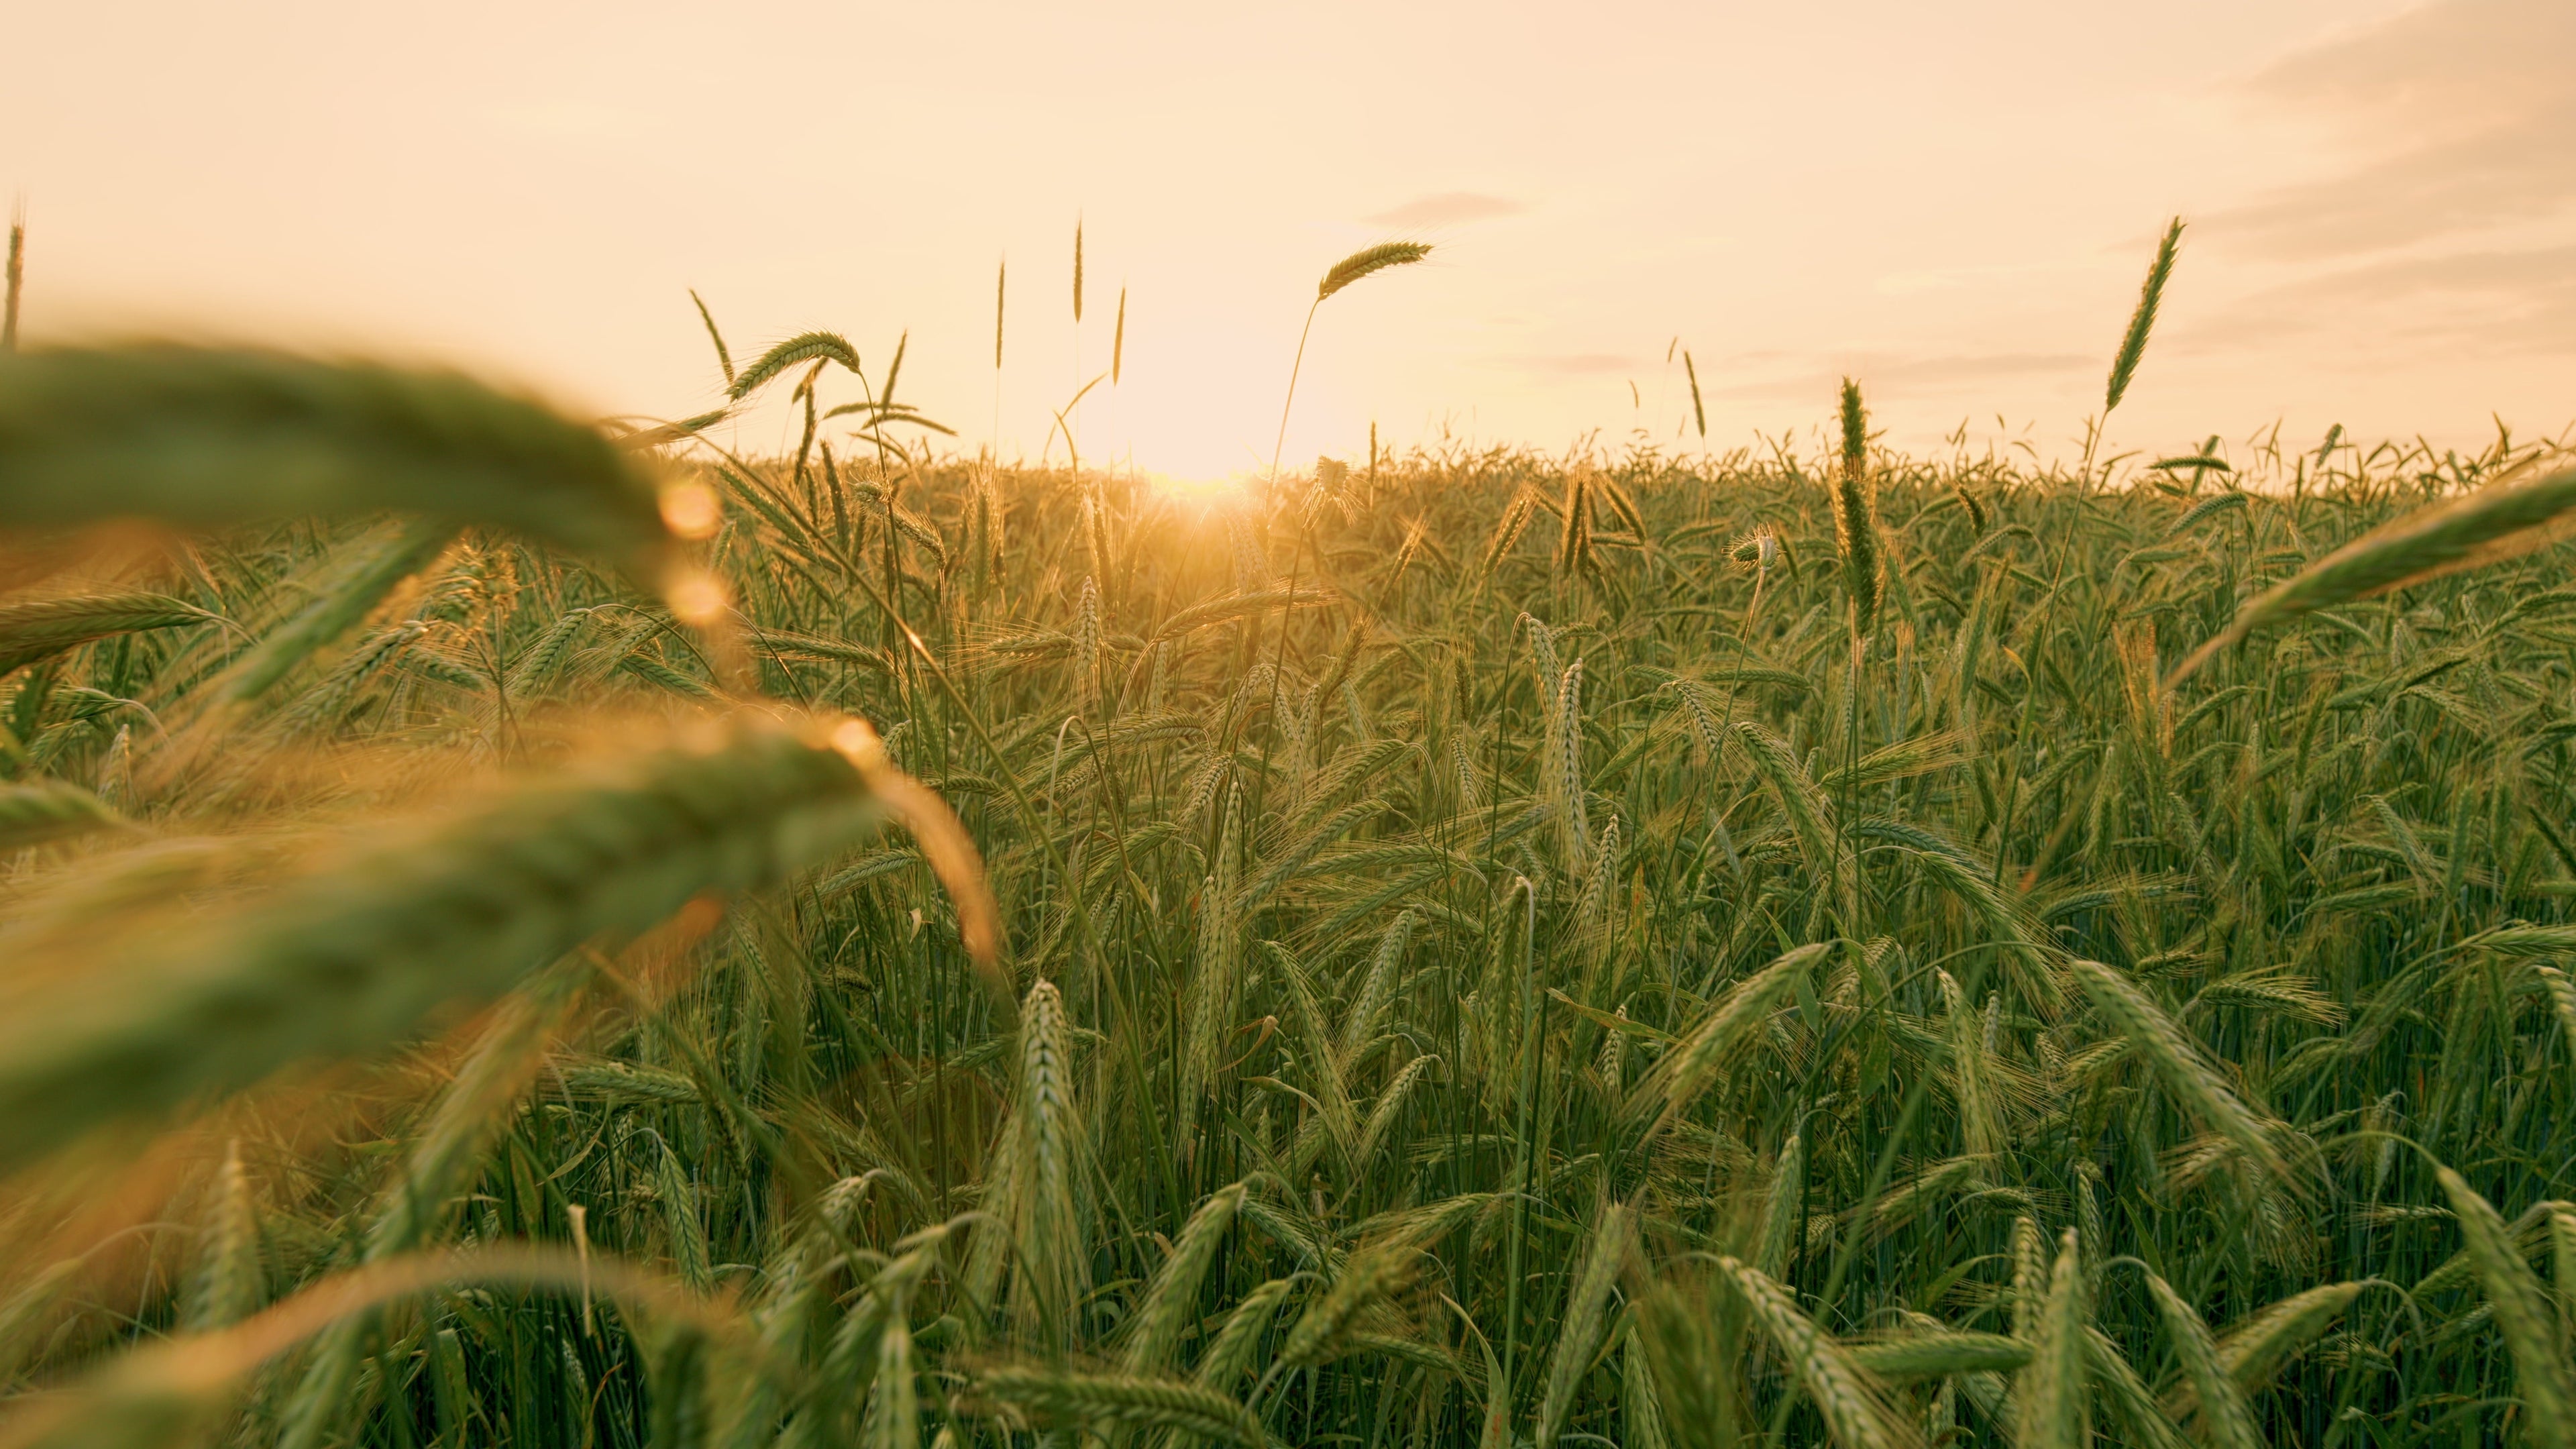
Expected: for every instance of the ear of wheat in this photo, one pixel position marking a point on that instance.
(2142, 320)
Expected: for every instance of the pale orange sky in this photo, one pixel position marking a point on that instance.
(1952, 202)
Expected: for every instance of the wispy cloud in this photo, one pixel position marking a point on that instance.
(1905, 374)
(2503, 299)
(2459, 117)
(1448, 208)
(1586, 363)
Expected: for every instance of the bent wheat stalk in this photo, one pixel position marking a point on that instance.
(2505, 521)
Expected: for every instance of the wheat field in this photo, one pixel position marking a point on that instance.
(520, 931)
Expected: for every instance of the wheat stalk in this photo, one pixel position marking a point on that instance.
(1586, 1317)
(1051, 1398)
(1366, 262)
(35, 811)
(207, 437)
(2522, 1314)
(353, 957)
(37, 629)
(2051, 1391)
(1164, 1311)
(1853, 1405)
(1856, 516)
(2504, 521)
(2226, 1420)
(1693, 1064)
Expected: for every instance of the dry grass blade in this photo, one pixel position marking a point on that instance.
(2503, 521)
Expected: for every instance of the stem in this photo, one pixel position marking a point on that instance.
(1521, 1148)
(1281, 443)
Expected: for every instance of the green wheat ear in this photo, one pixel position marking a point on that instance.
(212, 437)
(724, 354)
(2497, 523)
(1856, 515)
(1699, 415)
(1366, 262)
(35, 811)
(42, 628)
(2133, 345)
(17, 276)
(804, 347)
(1060, 1399)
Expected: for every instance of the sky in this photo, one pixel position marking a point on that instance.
(1953, 204)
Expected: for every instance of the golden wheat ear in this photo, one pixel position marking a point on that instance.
(1368, 262)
